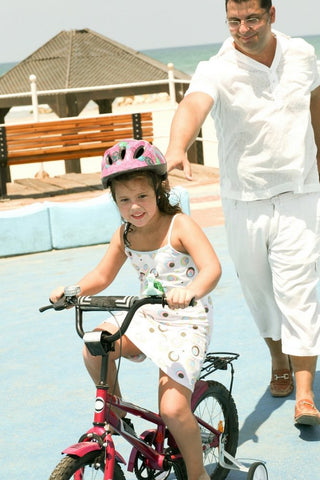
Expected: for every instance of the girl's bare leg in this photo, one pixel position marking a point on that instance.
(175, 410)
(93, 363)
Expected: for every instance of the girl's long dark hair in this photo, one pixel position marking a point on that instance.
(161, 189)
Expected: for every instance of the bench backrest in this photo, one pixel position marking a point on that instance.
(68, 138)
(72, 137)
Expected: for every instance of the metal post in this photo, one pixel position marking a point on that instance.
(34, 97)
(172, 88)
(35, 108)
(3, 162)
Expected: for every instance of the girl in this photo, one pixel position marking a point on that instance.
(165, 244)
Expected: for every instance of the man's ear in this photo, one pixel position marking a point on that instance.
(272, 14)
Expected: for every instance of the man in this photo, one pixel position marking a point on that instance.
(263, 90)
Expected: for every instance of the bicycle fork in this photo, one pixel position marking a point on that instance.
(97, 438)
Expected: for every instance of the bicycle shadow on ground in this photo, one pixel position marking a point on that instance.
(263, 410)
(232, 475)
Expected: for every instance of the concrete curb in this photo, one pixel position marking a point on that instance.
(45, 226)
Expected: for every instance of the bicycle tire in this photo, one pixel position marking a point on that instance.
(217, 408)
(257, 471)
(180, 470)
(90, 466)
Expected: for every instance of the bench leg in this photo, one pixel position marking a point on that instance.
(73, 166)
(3, 162)
(3, 179)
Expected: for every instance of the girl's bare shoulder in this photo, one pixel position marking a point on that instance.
(183, 220)
(185, 230)
(118, 237)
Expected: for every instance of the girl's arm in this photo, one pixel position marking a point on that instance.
(104, 273)
(188, 236)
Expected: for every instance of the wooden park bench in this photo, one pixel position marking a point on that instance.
(67, 139)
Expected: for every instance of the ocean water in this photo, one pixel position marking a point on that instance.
(187, 58)
(184, 58)
(4, 67)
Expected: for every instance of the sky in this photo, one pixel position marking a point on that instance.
(139, 24)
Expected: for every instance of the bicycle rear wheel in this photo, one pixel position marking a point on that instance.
(90, 466)
(217, 408)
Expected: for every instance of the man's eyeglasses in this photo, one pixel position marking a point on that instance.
(248, 22)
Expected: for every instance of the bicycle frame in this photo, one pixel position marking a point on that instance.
(150, 445)
(99, 438)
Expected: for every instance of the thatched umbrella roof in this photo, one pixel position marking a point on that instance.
(80, 62)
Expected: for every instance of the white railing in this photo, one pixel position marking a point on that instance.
(34, 93)
(171, 81)
(161, 127)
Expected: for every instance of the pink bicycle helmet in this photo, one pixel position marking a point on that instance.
(131, 155)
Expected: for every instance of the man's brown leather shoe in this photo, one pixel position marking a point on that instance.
(281, 384)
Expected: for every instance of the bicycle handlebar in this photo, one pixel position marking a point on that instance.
(106, 303)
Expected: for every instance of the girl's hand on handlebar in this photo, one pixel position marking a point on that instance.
(180, 297)
(56, 294)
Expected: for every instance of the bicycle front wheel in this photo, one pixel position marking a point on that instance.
(217, 408)
(90, 466)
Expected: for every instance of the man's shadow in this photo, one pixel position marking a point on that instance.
(263, 410)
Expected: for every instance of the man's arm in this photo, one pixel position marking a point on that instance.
(186, 123)
(315, 118)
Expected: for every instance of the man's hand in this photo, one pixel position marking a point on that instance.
(186, 123)
(180, 161)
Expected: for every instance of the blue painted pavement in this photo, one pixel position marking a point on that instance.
(47, 397)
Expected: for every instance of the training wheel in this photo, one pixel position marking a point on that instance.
(257, 471)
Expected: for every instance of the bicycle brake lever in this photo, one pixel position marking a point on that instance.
(60, 304)
(46, 307)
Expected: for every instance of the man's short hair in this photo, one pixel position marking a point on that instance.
(265, 4)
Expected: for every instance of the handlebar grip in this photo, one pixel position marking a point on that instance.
(193, 302)
(107, 303)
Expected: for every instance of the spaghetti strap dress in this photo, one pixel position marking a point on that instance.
(175, 340)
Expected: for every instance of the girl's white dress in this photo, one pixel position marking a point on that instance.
(175, 340)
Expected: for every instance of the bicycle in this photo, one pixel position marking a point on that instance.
(154, 453)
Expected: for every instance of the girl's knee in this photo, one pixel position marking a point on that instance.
(173, 412)
(86, 354)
